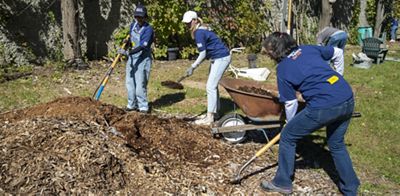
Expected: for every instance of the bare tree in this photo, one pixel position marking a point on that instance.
(70, 17)
(326, 14)
(383, 7)
(362, 18)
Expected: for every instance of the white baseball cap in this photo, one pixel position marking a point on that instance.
(189, 16)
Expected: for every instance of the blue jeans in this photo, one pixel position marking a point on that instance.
(338, 40)
(217, 69)
(393, 31)
(336, 119)
(137, 76)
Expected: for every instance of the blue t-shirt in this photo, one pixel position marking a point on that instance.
(395, 22)
(209, 41)
(146, 34)
(306, 70)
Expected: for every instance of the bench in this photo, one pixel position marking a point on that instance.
(375, 49)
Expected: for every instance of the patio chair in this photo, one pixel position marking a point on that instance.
(375, 49)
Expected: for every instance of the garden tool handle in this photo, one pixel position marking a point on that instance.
(125, 41)
(268, 145)
(182, 78)
(100, 88)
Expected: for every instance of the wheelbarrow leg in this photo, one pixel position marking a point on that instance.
(266, 137)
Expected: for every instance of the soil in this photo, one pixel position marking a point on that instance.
(172, 84)
(76, 145)
(255, 90)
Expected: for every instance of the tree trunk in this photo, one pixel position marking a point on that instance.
(362, 19)
(380, 11)
(70, 17)
(326, 14)
(70, 30)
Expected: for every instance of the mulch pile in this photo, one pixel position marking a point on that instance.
(255, 90)
(76, 145)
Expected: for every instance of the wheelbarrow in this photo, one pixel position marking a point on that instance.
(261, 109)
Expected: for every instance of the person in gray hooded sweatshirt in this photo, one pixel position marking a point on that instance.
(330, 36)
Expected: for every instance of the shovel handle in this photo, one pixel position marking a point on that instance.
(268, 145)
(277, 137)
(182, 78)
(103, 83)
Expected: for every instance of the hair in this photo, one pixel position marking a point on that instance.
(278, 45)
(200, 23)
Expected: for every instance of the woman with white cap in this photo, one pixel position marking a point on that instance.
(139, 61)
(211, 47)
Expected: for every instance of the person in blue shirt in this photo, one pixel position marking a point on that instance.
(393, 29)
(211, 47)
(329, 102)
(139, 61)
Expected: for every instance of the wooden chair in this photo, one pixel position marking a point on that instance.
(375, 49)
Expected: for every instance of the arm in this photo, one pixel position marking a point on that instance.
(200, 58)
(287, 96)
(291, 108)
(200, 39)
(145, 40)
(135, 50)
(338, 60)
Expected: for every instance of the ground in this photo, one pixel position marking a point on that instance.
(79, 145)
(65, 142)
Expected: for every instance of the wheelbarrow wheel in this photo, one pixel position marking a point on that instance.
(232, 120)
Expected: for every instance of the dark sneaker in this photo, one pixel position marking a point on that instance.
(130, 109)
(270, 187)
(216, 116)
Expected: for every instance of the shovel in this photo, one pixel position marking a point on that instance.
(100, 88)
(174, 85)
(237, 178)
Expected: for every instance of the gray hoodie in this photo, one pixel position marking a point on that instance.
(324, 34)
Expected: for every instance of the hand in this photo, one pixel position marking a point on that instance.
(189, 71)
(123, 52)
(126, 41)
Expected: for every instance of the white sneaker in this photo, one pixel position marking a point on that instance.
(207, 120)
(200, 116)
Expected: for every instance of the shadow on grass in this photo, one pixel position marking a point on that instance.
(227, 106)
(167, 100)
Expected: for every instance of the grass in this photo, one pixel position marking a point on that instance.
(373, 139)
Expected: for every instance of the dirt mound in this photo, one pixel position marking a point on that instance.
(83, 108)
(78, 145)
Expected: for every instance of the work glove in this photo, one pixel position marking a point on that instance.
(189, 71)
(123, 52)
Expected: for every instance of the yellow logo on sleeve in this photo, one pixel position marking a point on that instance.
(333, 79)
